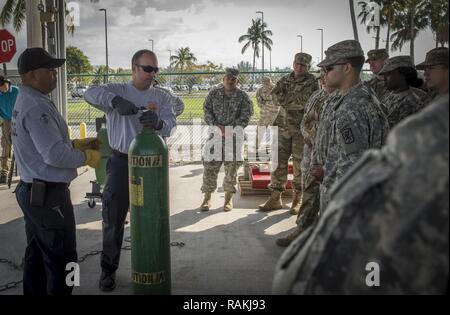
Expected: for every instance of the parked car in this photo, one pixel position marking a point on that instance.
(79, 91)
(204, 87)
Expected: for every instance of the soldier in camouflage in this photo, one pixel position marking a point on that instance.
(381, 224)
(376, 59)
(401, 78)
(436, 73)
(354, 120)
(268, 110)
(310, 202)
(291, 93)
(225, 106)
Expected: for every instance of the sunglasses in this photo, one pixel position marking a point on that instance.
(148, 69)
(331, 67)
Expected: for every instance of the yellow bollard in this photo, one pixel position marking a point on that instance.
(70, 132)
(82, 131)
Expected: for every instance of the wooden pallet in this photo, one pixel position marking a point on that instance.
(246, 189)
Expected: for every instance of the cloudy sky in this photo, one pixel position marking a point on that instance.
(211, 29)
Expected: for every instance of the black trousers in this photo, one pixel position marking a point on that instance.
(51, 240)
(115, 208)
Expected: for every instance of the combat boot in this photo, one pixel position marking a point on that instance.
(206, 204)
(286, 241)
(273, 203)
(296, 203)
(228, 205)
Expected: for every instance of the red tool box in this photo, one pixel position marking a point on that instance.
(260, 176)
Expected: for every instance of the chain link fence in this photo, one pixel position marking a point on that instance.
(191, 87)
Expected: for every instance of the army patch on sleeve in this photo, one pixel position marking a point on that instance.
(347, 135)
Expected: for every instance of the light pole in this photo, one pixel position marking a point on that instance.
(262, 36)
(270, 60)
(321, 43)
(170, 68)
(301, 42)
(151, 40)
(106, 41)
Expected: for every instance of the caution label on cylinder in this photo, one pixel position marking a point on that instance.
(149, 278)
(146, 161)
(137, 191)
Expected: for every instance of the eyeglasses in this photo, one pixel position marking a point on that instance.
(148, 69)
(331, 67)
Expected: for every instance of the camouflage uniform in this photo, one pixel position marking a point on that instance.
(227, 110)
(436, 56)
(268, 110)
(400, 105)
(378, 85)
(310, 187)
(291, 94)
(380, 213)
(355, 122)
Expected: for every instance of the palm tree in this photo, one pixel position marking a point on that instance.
(210, 66)
(438, 15)
(409, 21)
(265, 33)
(257, 33)
(15, 11)
(253, 39)
(387, 9)
(183, 60)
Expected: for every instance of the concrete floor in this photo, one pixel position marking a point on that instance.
(224, 253)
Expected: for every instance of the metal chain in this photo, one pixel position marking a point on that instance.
(13, 265)
(10, 285)
(177, 244)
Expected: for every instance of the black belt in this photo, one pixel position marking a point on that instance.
(120, 154)
(48, 184)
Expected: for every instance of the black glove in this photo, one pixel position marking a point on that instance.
(150, 119)
(124, 107)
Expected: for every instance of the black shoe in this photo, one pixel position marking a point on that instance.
(107, 281)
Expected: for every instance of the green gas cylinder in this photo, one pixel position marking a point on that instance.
(149, 205)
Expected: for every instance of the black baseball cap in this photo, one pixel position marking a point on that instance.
(35, 58)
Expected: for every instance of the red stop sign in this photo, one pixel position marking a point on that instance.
(7, 46)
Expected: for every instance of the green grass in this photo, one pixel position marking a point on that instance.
(78, 112)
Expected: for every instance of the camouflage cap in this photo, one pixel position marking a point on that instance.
(267, 80)
(436, 56)
(232, 72)
(397, 62)
(376, 54)
(303, 59)
(342, 50)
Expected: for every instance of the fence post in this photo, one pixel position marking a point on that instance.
(82, 130)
